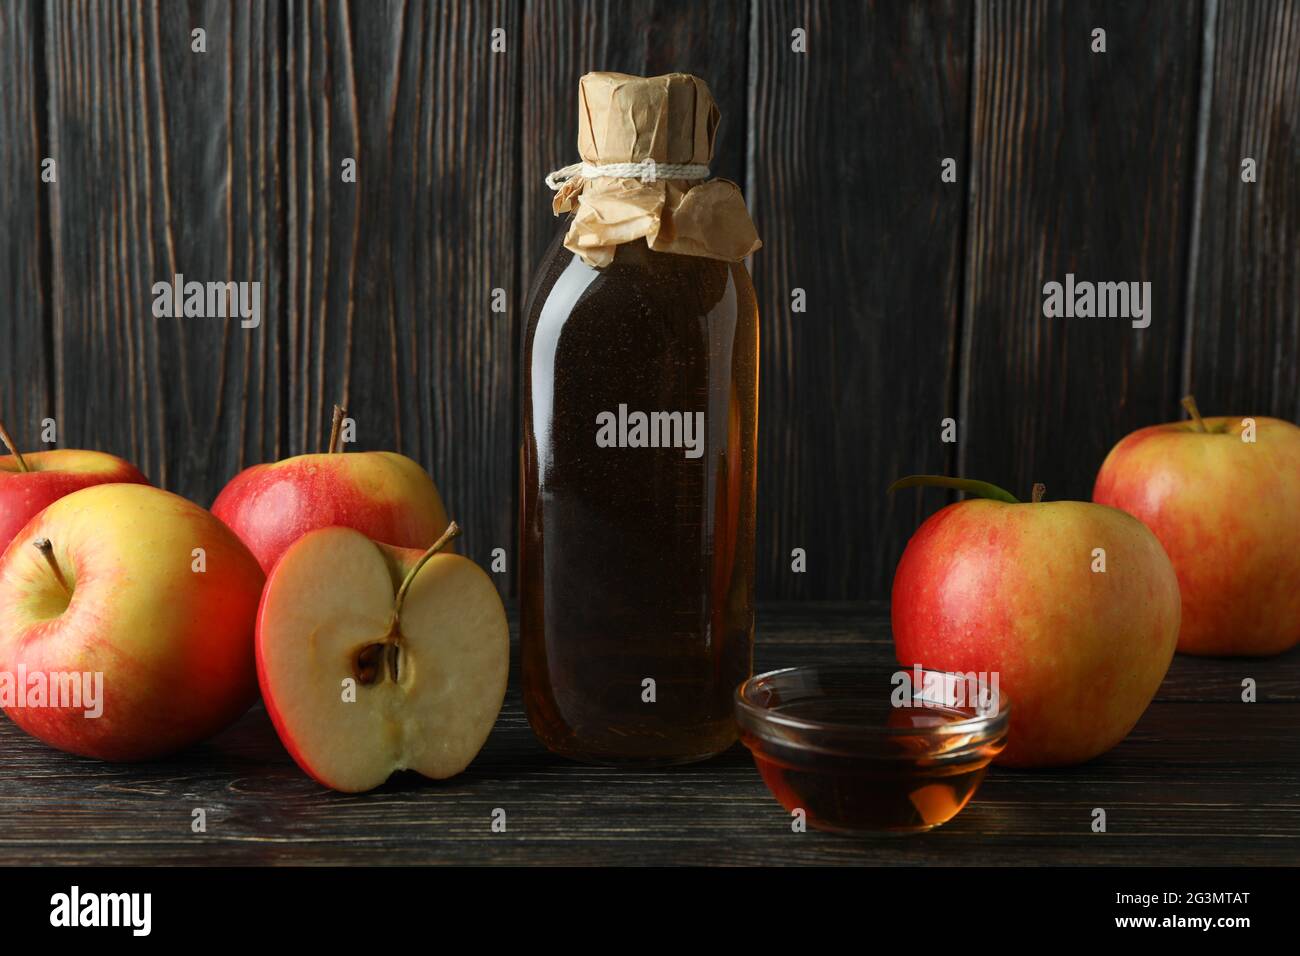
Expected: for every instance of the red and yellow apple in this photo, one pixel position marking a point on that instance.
(30, 482)
(374, 659)
(107, 581)
(384, 495)
(1227, 511)
(1074, 605)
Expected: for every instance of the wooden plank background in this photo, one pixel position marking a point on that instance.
(390, 279)
(1244, 322)
(852, 391)
(923, 297)
(168, 163)
(26, 382)
(1080, 164)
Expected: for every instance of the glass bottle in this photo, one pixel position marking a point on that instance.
(637, 561)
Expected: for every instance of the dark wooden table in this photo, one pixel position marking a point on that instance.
(1203, 779)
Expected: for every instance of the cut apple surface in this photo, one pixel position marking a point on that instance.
(362, 677)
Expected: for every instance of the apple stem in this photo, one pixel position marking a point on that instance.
(1036, 495)
(336, 428)
(44, 546)
(13, 449)
(1189, 403)
(452, 531)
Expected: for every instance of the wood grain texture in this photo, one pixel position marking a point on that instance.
(1203, 779)
(26, 396)
(846, 149)
(563, 39)
(1081, 164)
(1243, 344)
(924, 297)
(391, 277)
(168, 163)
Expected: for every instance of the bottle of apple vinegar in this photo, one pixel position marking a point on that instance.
(640, 405)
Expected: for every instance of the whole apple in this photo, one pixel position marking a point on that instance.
(30, 482)
(384, 495)
(142, 599)
(1073, 605)
(1223, 496)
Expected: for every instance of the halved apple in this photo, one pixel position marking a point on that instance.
(374, 659)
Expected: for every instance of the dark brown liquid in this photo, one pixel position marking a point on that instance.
(637, 562)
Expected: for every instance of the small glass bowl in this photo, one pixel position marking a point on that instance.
(863, 750)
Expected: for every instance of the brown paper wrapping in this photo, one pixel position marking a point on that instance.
(670, 119)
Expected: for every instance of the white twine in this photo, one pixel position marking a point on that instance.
(647, 171)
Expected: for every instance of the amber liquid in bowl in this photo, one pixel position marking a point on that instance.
(901, 783)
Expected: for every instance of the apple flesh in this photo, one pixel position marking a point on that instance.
(361, 683)
(993, 587)
(383, 495)
(49, 476)
(119, 595)
(1227, 512)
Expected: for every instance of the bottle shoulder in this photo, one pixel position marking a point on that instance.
(640, 284)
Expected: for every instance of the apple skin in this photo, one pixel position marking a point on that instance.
(1228, 515)
(384, 495)
(51, 475)
(399, 561)
(175, 646)
(376, 569)
(988, 586)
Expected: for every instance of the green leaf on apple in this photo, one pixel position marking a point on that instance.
(981, 489)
